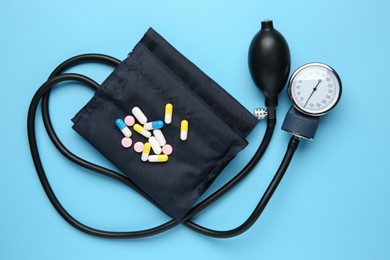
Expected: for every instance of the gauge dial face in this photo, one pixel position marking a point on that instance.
(314, 89)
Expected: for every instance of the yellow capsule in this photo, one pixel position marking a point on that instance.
(139, 129)
(145, 152)
(184, 130)
(168, 113)
(158, 158)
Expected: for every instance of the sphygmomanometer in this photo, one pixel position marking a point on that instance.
(171, 129)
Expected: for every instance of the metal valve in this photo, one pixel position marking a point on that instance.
(260, 113)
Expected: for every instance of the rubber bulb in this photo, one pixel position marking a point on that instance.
(269, 62)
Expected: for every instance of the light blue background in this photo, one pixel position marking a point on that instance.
(334, 200)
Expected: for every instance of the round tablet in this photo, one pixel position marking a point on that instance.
(167, 149)
(129, 120)
(138, 147)
(126, 142)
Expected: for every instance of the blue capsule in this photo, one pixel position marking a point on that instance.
(123, 127)
(154, 125)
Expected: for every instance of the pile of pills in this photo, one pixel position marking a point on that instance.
(152, 131)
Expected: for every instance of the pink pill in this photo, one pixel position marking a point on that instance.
(126, 142)
(129, 120)
(138, 147)
(167, 149)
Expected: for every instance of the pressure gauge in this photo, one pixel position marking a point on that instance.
(314, 89)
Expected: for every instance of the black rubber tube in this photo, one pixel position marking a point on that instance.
(44, 92)
(292, 146)
(44, 181)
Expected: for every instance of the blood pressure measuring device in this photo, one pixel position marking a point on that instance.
(314, 90)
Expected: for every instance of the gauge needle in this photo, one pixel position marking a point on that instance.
(314, 90)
